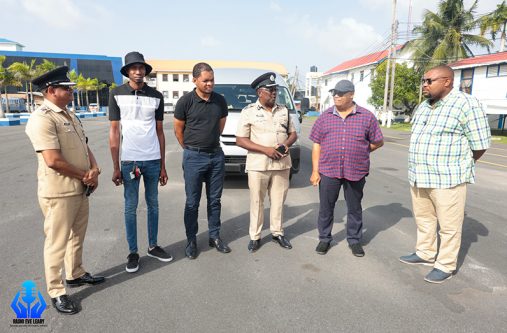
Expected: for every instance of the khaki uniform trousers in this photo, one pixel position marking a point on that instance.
(65, 225)
(276, 184)
(444, 208)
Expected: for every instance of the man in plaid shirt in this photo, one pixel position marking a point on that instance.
(343, 137)
(450, 131)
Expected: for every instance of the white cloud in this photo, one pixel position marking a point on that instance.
(56, 13)
(274, 6)
(210, 41)
(343, 39)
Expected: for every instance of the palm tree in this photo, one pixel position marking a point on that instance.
(74, 77)
(99, 87)
(80, 87)
(44, 67)
(25, 73)
(495, 22)
(446, 36)
(2, 83)
(8, 80)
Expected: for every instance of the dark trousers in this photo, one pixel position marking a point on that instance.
(329, 189)
(207, 168)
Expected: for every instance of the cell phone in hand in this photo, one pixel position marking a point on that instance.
(281, 149)
(89, 190)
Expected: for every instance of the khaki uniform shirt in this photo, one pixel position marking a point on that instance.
(267, 129)
(49, 128)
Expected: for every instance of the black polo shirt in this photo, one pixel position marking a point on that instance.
(202, 119)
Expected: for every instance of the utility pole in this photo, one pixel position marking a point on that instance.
(388, 114)
(393, 68)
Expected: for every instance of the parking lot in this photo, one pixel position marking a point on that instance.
(272, 290)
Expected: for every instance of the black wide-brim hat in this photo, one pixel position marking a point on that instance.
(56, 77)
(134, 58)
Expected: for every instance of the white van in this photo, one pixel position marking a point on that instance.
(234, 85)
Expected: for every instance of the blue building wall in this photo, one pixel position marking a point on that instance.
(116, 62)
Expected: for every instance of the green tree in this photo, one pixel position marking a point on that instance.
(73, 76)
(99, 87)
(446, 36)
(406, 87)
(80, 87)
(44, 67)
(496, 22)
(25, 73)
(2, 83)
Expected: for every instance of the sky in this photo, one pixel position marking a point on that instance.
(297, 34)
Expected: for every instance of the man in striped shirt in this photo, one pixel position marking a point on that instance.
(343, 137)
(450, 131)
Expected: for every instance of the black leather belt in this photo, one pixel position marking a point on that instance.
(203, 150)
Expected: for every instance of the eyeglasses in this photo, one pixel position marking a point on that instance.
(430, 81)
(338, 93)
(270, 89)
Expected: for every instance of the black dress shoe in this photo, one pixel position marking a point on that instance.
(254, 245)
(191, 250)
(357, 249)
(64, 305)
(282, 241)
(322, 247)
(87, 278)
(218, 244)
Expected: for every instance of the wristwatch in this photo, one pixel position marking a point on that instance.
(99, 170)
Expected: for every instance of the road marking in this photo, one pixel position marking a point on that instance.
(397, 144)
(393, 137)
(480, 161)
(495, 164)
(495, 154)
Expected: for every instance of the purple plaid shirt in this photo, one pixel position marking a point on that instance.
(345, 143)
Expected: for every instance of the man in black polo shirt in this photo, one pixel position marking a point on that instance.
(199, 119)
(140, 110)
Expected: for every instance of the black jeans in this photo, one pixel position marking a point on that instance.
(329, 189)
(199, 168)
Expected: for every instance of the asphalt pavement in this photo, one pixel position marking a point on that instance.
(274, 289)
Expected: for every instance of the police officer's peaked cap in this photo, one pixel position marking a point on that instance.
(134, 58)
(265, 80)
(57, 76)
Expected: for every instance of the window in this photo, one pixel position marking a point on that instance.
(176, 95)
(352, 77)
(185, 78)
(165, 93)
(164, 77)
(325, 82)
(361, 76)
(467, 79)
(176, 77)
(496, 70)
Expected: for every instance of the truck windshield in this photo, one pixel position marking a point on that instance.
(240, 95)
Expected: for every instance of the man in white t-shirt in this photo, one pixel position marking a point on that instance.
(139, 109)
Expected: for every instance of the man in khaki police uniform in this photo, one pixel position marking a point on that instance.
(67, 174)
(267, 132)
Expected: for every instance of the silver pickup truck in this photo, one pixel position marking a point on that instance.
(234, 85)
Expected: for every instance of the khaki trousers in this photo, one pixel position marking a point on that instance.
(65, 225)
(276, 184)
(444, 208)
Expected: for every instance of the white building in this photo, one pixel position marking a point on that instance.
(359, 71)
(312, 88)
(485, 77)
(9, 45)
(173, 78)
